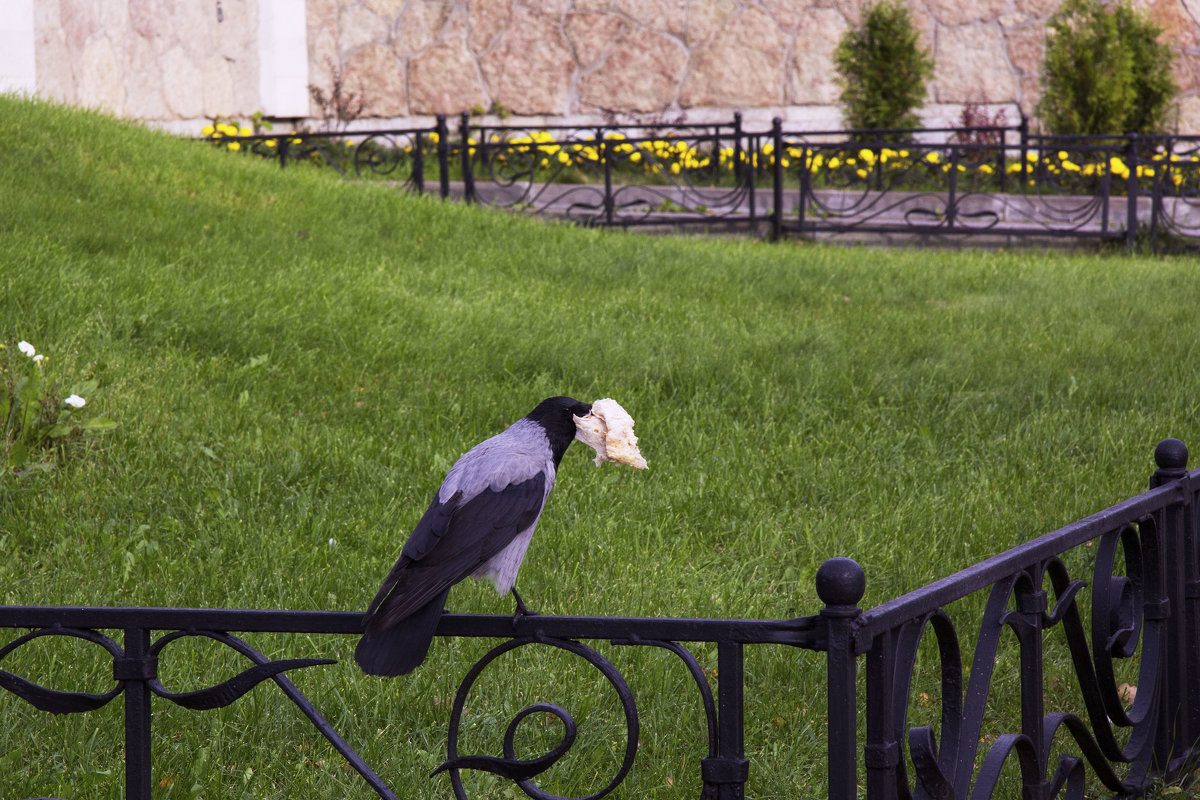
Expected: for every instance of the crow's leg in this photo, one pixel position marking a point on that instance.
(522, 609)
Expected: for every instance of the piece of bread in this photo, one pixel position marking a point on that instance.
(609, 431)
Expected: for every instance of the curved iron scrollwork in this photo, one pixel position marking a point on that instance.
(1126, 620)
(391, 155)
(604, 177)
(52, 700)
(124, 669)
(522, 772)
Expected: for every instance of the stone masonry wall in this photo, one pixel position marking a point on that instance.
(179, 64)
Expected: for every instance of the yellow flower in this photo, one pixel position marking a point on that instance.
(235, 145)
(245, 132)
(563, 158)
(932, 157)
(867, 156)
(207, 130)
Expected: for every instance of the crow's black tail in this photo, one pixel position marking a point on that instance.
(401, 649)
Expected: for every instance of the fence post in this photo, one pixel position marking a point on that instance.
(468, 176)
(777, 188)
(443, 155)
(418, 171)
(1131, 193)
(840, 585)
(135, 670)
(1178, 727)
(1024, 131)
(609, 202)
(737, 148)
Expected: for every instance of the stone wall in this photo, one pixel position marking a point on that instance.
(179, 64)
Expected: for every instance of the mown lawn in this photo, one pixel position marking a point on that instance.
(294, 361)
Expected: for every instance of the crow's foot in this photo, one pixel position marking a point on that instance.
(522, 609)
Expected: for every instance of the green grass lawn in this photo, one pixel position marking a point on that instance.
(294, 361)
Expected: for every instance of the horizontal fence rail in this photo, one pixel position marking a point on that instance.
(994, 183)
(1117, 591)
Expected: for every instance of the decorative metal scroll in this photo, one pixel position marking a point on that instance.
(1127, 615)
(522, 772)
(674, 175)
(925, 188)
(127, 669)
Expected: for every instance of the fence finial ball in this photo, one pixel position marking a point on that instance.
(841, 582)
(1171, 454)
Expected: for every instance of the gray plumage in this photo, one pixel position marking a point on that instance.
(478, 525)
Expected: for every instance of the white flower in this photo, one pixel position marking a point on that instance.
(75, 401)
(26, 348)
(333, 542)
(38, 358)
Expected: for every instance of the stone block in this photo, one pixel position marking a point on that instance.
(741, 66)
(641, 73)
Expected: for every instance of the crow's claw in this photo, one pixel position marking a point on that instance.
(522, 609)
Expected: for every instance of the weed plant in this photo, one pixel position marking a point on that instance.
(293, 362)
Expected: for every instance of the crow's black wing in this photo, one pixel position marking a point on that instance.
(449, 543)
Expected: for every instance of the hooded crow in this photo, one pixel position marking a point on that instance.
(478, 526)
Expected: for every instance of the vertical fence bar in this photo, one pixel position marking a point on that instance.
(443, 155)
(1024, 136)
(737, 148)
(132, 673)
(881, 754)
(1131, 193)
(1002, 160)
(1175, 734)
(840, 585)
(606, 154)
(730, 746)
(468, 176)
(777, 188)
(952, 196)
(418, 172)
(751, 169)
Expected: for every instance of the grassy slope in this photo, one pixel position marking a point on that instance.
(293, 360)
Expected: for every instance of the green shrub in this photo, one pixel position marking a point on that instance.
(882, 69)
(1104, 71)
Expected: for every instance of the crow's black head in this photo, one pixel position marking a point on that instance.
(556, 415)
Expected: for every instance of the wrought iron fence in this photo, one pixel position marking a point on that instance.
(1002, 183)
(1139, 605)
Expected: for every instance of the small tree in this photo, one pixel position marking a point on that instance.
(882, 69)
(1104, 71)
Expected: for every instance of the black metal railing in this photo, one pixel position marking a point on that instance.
(999, 182)
(1137, 606)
